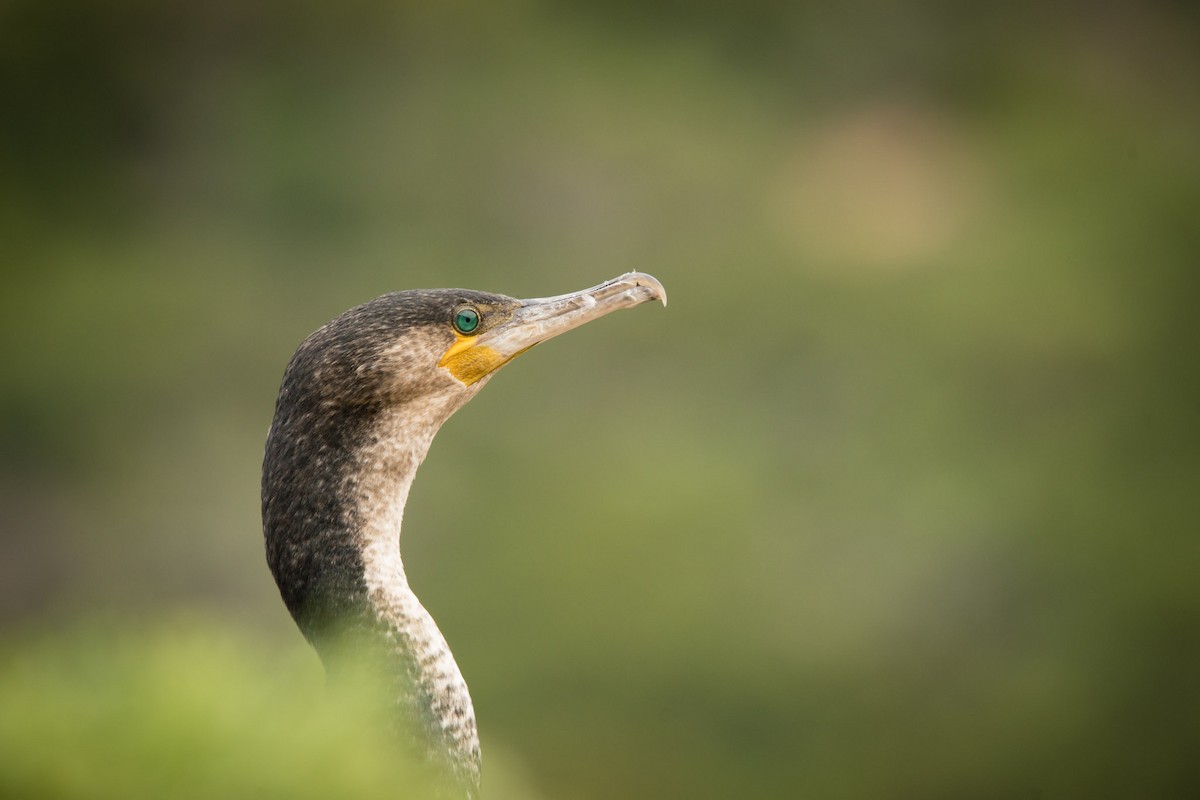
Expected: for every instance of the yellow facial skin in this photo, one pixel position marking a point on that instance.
(469, 361)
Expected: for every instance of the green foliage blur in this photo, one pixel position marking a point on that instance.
(897, 498)
(189, 712)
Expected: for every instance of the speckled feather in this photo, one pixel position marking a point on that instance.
(358, 407)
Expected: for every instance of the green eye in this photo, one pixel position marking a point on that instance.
(466, 320)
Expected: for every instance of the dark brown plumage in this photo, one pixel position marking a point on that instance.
(359, 405)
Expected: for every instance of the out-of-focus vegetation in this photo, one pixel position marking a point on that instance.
(109, 712)
(897, 499)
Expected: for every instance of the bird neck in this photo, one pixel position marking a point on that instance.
(432, 695)
(334, 491)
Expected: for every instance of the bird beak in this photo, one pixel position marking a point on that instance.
(535, 321)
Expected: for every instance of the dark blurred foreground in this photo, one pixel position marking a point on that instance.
(897, 499)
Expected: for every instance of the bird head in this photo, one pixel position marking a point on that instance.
(439, 347)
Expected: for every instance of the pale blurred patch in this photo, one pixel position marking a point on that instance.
(879, 188)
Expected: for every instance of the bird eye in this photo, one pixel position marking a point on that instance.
(466, 320)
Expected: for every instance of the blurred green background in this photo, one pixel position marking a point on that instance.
(897, 499)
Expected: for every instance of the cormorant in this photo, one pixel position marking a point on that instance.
(358, 407)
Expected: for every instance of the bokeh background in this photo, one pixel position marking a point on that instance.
(897, 499)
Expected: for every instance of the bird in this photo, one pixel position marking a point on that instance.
(358, 407)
